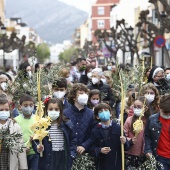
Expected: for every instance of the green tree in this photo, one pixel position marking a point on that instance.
(69, 54)
(43, 52)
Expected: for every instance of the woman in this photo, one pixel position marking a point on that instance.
(152, 95)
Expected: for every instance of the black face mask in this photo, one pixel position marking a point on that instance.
(161, 82)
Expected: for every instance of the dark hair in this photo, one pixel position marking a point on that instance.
(60, 105)
(7, 68)
(167, 69)
(92, 93)
(143, 100)
(100, 107)
(49, 64)
(73, 91)
(165, 104)
(80, 60)
(3, 99)
(37, 65)
(104, 68)
(26, 97)
(88, 67)
(60, 83)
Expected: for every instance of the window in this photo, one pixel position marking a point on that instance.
(100, 23)
(100, 10)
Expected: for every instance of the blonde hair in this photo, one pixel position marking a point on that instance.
(64, 72)
(108, 76)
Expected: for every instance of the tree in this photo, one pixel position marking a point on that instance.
(43, 52)
(69, 54)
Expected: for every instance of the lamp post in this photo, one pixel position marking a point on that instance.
(3, 30)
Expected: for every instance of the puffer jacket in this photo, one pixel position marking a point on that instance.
(105, 90)
(83, 123)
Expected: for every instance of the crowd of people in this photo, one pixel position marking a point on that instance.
(84, 109)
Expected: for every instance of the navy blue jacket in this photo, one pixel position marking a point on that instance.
(66, 104)
(152, 134)
(112, 160)
(83, 123)
(105, 90)
(70, 147)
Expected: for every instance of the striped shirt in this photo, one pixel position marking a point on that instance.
(57, 138)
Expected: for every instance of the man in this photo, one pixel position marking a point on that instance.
(103, 88)
(59, 88)
(157, 134)
(81, 65)
(167, 73)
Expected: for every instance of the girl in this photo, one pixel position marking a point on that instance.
(152, 95)
(134, 156)
(10, 158)
(59, 151)
(106, 140)
(94, 98)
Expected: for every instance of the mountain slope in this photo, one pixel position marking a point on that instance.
(53, 20)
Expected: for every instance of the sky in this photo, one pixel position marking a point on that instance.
(125, 8)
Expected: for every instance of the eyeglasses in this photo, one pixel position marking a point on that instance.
(162, 76)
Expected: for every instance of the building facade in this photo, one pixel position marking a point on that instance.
(2, 11)
(100, 16)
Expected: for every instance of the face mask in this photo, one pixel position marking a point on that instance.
(150, 98)
(109, 67)
(164, 116)
(59, 94)
(104, 116)
(95, 80)
(27, 110)
(161, 82)
(82, 99)
(54, 115)
(29, 74)
(168, 76)
(94, 102)
(4, 86)
(4, 115)
(89, 75)
(104, 81)
(82, 68)
(137, 112)
(69, 79)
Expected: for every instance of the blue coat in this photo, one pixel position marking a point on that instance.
(100, 139)
(152, 134)
(66, 104)
(70, 147)
(83, 123)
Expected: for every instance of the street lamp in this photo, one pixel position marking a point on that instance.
(3, 31)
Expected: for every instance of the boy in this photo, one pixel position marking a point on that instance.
(26, 120)
(59, 88)
(80, 115)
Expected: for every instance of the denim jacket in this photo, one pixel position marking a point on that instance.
(152, 134)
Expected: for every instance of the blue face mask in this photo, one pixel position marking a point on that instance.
(27, 110)
(4, 115)
(104, 116)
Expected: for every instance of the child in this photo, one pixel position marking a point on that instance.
(135, 155)
(80, 115)
(94, 98)
(10, 159)
(58, 152)
(59, 88)
(26, 120)
(106, 140)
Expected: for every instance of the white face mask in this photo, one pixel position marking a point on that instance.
(104, 81)
(150, 97)
(82, 99)
(4, 115)
(59, 94)
(168, 76)
(137, 112)
(109, 67)
(54, 115)
(69, 79)
(29, 74)
(164, 116)
(95, 80)
(4, 86)
(89, 75)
